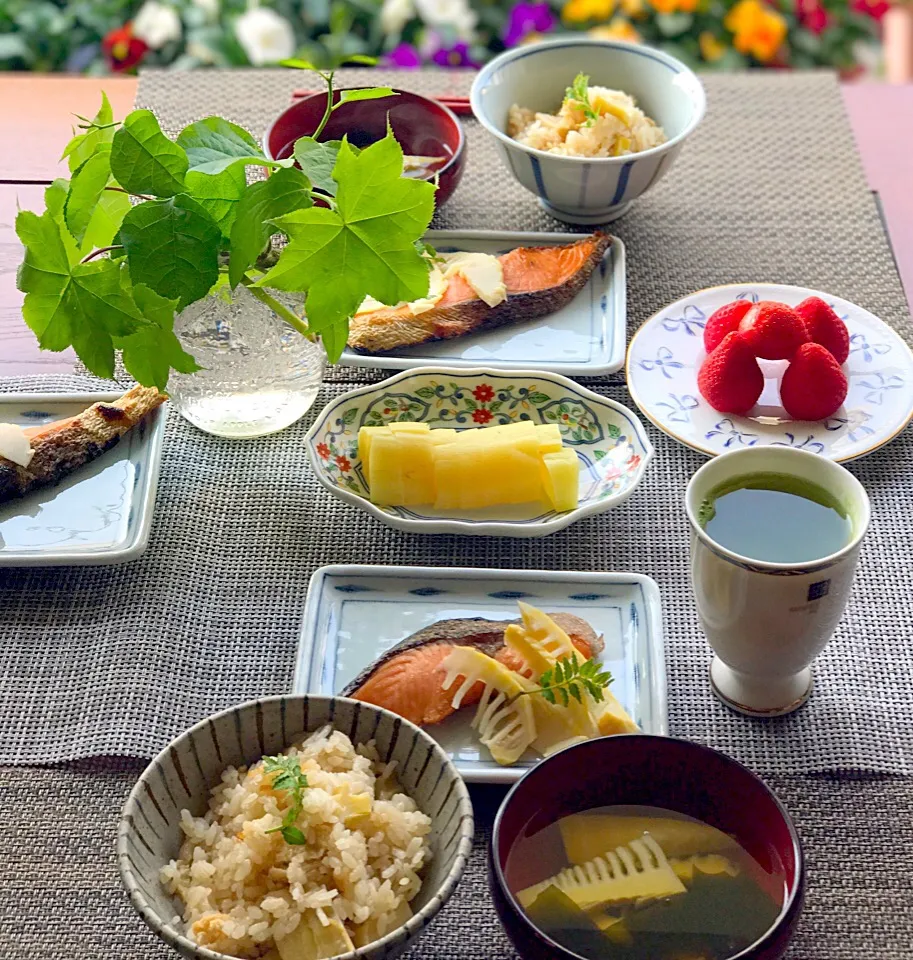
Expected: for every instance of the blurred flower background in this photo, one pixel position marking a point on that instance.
(99, 36)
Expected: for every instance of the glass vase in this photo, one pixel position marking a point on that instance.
(259, 374)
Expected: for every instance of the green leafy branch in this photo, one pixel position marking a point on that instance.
(104, 275)
(571, 678)
(578, 94)
(288, 777)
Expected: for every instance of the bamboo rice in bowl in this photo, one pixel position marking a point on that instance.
(295, 828)
(587, 167)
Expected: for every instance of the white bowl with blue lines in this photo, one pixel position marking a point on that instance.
(579, 189)
(609, 440)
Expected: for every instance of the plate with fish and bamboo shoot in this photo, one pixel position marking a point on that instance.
(500, 667)
(78, 475)
(550, 301)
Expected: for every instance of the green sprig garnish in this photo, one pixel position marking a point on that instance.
(288, 777)
(571, 678)
(578, 94)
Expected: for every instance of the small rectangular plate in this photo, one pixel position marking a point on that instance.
(355, 612)
(99, 514)
(586, 338)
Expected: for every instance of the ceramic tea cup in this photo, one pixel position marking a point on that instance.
(766, 621)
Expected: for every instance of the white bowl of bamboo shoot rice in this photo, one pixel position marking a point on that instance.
(587, 125)
(295, 828)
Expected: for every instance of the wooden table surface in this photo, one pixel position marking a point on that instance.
(36, 114)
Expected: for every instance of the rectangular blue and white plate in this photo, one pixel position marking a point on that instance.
(99, 514)
(354, 613)
(584, 339)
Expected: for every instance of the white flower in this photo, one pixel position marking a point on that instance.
(209, 7)
(156, 24)
(456, 14)
(265, 36)
(395, 14)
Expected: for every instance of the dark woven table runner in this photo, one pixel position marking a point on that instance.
(116, 660)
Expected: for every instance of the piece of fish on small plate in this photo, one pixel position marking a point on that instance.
(100, 510)
(356, 613)
(583, 337)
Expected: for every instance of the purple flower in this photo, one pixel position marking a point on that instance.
(455, 56)
(403, 56)
(526, 18)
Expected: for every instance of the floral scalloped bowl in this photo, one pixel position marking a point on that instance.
(666, 353)
(609, 440)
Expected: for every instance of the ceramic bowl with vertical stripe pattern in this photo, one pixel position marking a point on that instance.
(588, 190)
(181, 776)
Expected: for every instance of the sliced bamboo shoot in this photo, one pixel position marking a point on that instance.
(312, 940)
(503, 718)
(636, 871)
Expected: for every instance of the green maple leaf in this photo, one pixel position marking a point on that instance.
(366, 246)
(86, 187)
(83, 145)
(153, 350)
(173, 247)
(69, 303)
(103, 224)
(144, 160)
(213, 145)
(219, 195)
(283, 192)
(317, 159)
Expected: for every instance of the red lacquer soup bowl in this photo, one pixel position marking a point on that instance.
(649, 771)
(423, 127)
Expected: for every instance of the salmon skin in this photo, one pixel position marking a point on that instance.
(408, 678)
(65, 445)
(539, 281)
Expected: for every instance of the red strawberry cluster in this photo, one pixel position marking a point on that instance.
(811, 336)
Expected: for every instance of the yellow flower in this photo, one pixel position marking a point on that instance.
(636, 9)
(674, 6)
(757, 30)
(618, 29)
(582, 11)
(711, 48)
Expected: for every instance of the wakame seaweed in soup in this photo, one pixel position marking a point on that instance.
(644, 883)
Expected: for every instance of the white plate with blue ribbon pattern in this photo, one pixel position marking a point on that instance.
(666, 354)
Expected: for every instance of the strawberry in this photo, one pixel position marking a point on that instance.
(773, 330)
(824, 326)
(730, 379)
(814, 386)
(723, 321)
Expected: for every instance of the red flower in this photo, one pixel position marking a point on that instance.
(632, 461)
(873, 8)
(481, 416)
(483, 393)
(343, 463)
(123, 50)
(323, 451)
(812, 15)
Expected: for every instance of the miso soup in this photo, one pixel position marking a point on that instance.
(644, 883)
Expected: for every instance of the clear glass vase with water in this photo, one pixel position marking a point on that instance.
(259, 374)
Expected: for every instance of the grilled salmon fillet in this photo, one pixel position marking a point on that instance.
(65, 445)
(408, 678)
(539, 281)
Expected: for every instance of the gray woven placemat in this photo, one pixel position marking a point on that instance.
(60, 895)
(117, 660)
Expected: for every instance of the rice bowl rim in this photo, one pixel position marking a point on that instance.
(412, 927)
(484, 76)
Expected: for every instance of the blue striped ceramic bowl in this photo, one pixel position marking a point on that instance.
(576, 189)
(149, 833)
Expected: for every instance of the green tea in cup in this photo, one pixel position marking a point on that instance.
(775, 518)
